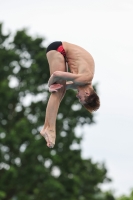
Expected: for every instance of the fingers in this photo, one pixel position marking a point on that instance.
(52, 90)
(55, 87)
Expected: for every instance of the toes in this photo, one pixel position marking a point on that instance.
(48, 139)
(50, 145)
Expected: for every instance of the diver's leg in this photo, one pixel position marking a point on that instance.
(49, 128)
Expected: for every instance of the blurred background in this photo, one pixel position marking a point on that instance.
(104, 140)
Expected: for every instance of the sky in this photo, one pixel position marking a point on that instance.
(105, 29)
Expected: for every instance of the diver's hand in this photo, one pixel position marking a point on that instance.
(55, 87)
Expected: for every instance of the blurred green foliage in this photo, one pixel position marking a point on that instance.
(125, 197)
(28, 169)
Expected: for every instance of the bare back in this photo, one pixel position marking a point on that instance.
(79, 60)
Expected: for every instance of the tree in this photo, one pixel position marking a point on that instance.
(125, 197)
(28, 169)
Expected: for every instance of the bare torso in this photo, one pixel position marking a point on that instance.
(79, 60)
(80, 63)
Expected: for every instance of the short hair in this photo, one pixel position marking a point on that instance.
(92, 102)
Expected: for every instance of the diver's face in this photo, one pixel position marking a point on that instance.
(81, 95)
(81, 98)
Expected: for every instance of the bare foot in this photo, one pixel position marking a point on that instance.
(49, 136)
